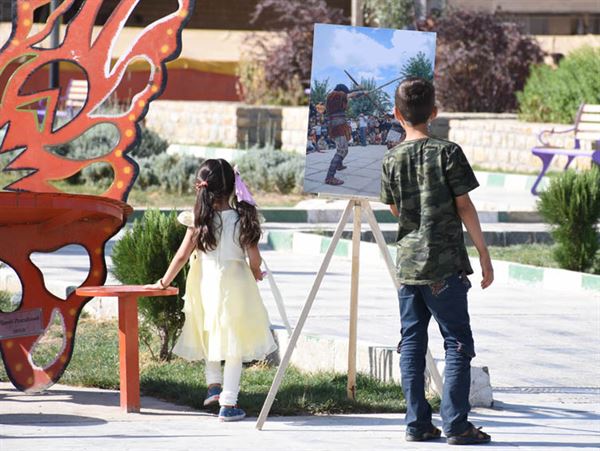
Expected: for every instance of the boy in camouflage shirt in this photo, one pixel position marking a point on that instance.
(426, 182)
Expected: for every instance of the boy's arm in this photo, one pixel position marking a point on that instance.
(386, 195)
(179, 260)
(255, 261)
(468, 215)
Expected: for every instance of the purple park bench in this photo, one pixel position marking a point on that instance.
(586, 142)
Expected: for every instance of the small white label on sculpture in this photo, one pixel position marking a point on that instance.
(23, 323)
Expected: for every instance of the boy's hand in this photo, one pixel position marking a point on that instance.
(487, 271)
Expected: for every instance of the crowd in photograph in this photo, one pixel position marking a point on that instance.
(366, 129)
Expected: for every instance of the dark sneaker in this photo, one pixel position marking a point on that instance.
(433, 434)
(212, 395)
(333, 181)
(472, 436)
(341, 167)
(231, 414)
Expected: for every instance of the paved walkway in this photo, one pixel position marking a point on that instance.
(67, 418)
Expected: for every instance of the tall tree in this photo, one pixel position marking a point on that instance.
(381, 100)
(418, 66)
(319, 91)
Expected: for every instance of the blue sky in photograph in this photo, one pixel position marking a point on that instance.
(364, 52)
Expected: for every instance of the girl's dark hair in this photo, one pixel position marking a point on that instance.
(215, 181)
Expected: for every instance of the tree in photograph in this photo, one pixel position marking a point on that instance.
(481, 61)
(319, 91)
(381, 100)
(418, 66)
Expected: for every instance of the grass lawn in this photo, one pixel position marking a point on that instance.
(95, 363)
(527, 254)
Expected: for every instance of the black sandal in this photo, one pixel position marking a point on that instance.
(472, 436)
(433, 434)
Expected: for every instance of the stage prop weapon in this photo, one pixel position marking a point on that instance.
(374, 102)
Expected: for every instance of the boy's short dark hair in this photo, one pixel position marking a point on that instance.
(415, 99)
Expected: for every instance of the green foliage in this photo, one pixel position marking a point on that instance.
(142, 256)
(172, 173)
(527, 254)
(319, 91)
(554, 95)
(272, 170)
(6, 301)
(362, 104)
(418, 66)
(389, 13)
(572, 205)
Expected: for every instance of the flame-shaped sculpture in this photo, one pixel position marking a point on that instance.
(38, 217)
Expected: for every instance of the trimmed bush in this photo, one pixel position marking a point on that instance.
(554, 95)
(272, 170)
(142, 256)
(571, 204)
(481, 61)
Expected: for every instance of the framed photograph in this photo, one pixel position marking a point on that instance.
(355, 73)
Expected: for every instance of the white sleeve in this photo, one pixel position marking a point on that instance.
(186, 218)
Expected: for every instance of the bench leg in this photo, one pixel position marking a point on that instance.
(570, 158)
(546, 160)
(129, 354)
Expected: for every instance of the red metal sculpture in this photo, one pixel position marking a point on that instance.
(30, 221)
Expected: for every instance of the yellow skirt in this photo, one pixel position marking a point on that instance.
(224, 314)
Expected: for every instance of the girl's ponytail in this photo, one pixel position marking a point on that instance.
(249, 224)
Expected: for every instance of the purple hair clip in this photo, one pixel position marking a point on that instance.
(241, 190)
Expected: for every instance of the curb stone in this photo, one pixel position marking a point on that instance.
(505, 272)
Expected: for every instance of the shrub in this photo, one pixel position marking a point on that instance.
(572, 205)
(278, 70)
(389, 13)
(173, 173)
(6, 301)
(481, 61)
(272, 170)
(554, 95)
(142, 256)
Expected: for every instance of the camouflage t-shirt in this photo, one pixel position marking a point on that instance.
(422, 177)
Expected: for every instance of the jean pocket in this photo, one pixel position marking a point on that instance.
(465, 280)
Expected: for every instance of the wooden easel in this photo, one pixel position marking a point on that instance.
(358, 205)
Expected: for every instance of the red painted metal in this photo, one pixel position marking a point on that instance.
(38, 217)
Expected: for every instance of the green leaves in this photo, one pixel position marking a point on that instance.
(554, 95)
(142, 256)
(572, 205)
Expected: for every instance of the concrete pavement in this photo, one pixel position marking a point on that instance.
(68, 418)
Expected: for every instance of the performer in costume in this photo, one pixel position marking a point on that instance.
(338, 129)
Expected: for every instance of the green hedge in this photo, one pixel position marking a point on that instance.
(272, 170)
(571, 204)
(554, 95)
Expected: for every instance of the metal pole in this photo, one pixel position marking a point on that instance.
(357, 13)
(54, 43)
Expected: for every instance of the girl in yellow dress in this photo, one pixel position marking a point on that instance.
(225, 318)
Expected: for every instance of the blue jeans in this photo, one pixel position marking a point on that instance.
(362, 132)
(447, 302)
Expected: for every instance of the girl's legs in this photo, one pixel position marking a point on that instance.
(231, 382)
(213, 373)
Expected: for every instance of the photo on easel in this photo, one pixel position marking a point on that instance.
(355, 72)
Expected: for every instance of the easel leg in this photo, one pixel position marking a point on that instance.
(278, 299)
(351, 387)
(285, 361)
(436, 377)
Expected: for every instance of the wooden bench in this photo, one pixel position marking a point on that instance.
(586, 143)
(129, 366)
